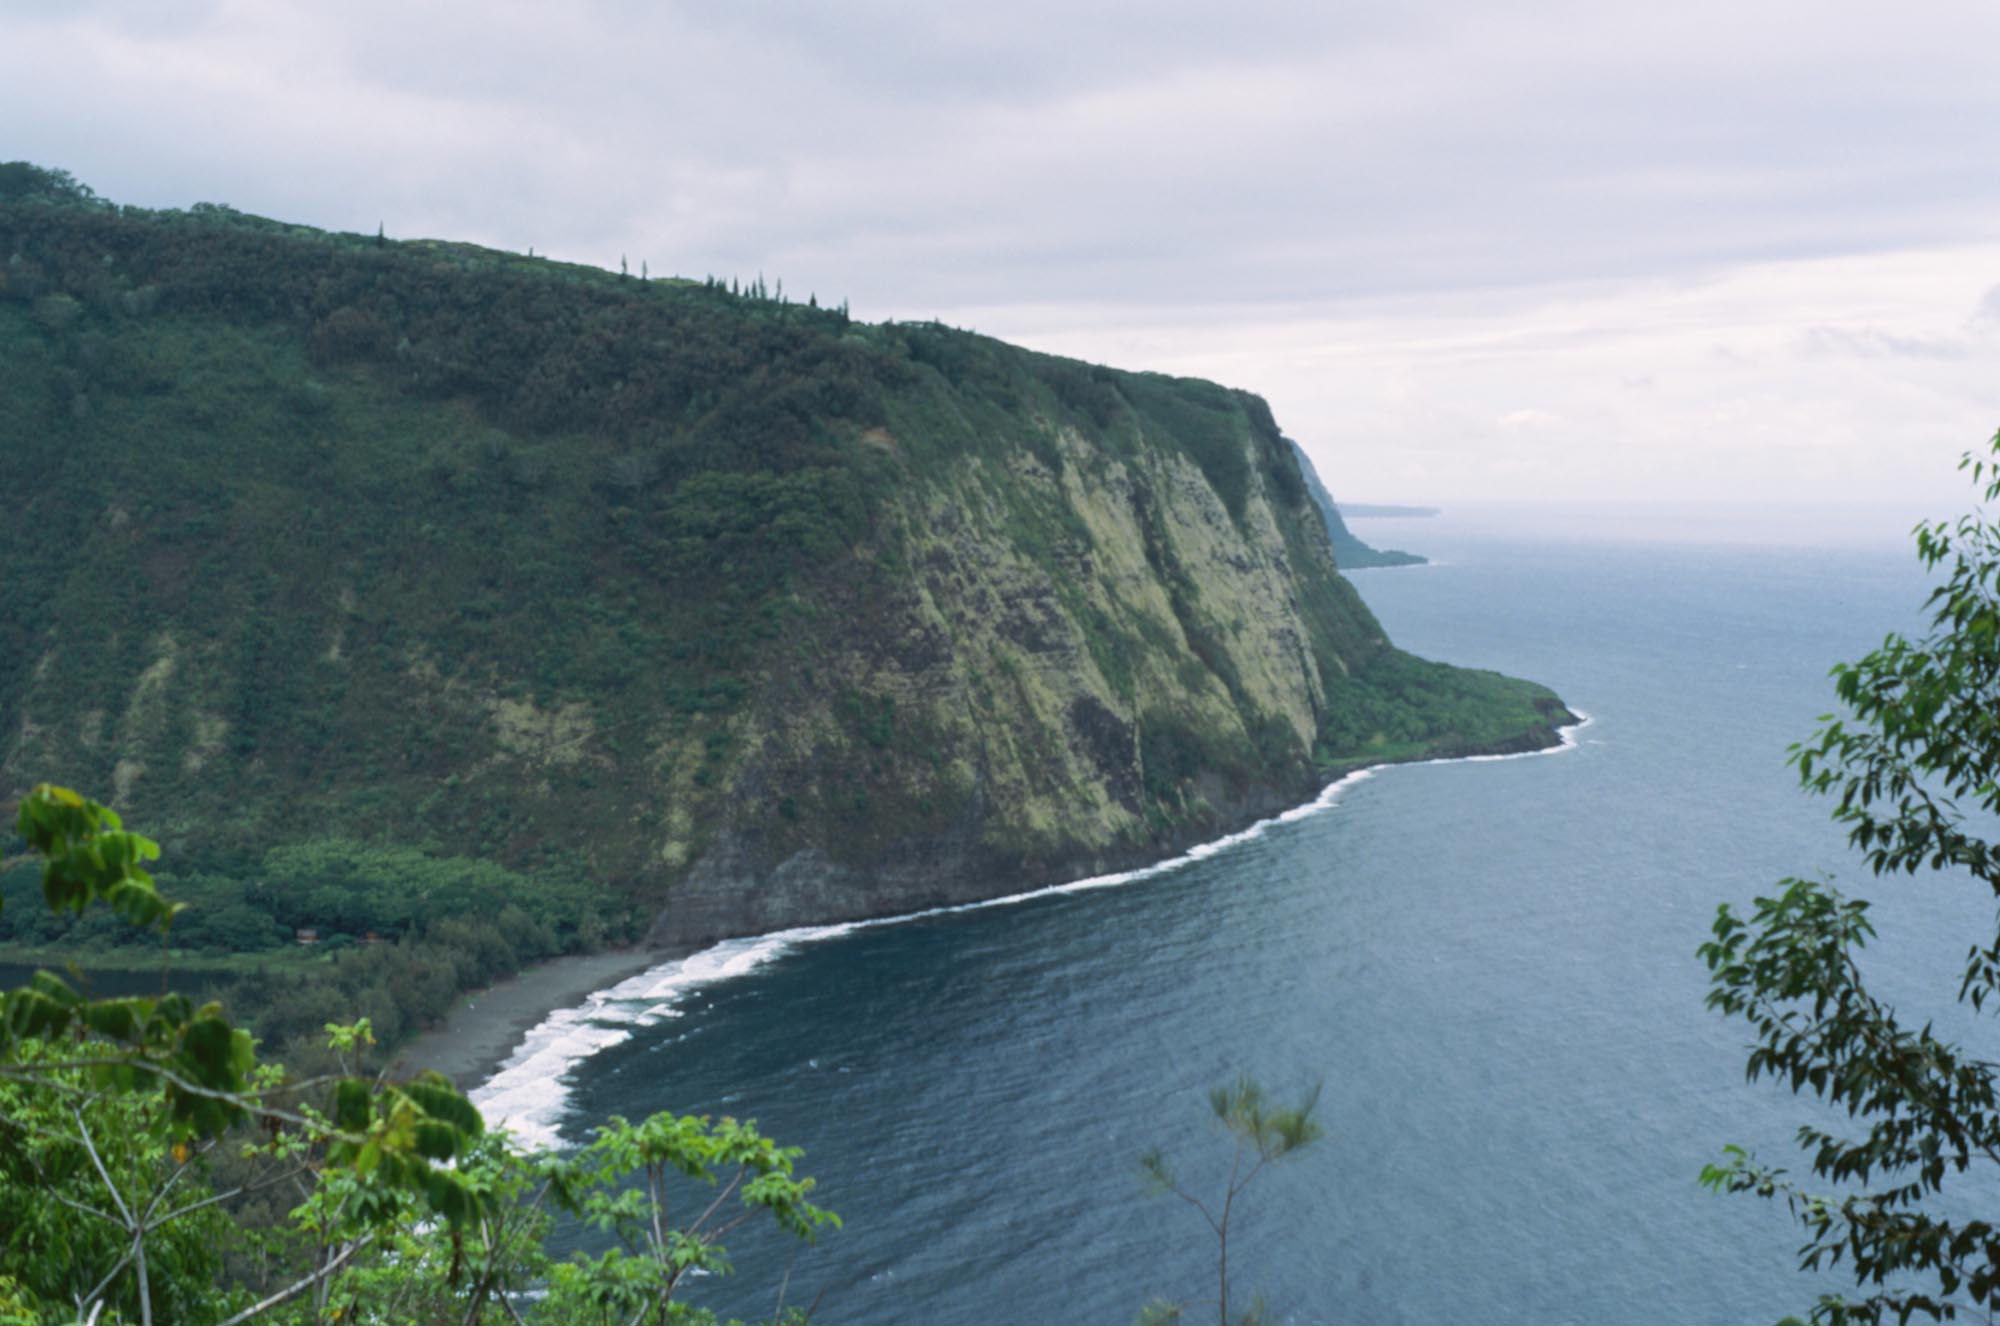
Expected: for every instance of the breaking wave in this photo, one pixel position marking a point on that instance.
(529, 1093)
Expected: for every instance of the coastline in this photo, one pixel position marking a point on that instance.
(487, 1026)
(511, 1046)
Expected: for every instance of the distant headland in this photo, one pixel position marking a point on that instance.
(1379, 511)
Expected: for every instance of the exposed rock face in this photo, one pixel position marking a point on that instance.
(1036, 681)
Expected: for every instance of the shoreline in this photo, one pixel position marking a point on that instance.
(486, 1026)
(521, 1035)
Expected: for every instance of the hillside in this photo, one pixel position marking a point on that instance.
(751, 612)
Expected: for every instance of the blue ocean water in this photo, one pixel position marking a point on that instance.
(1488, 967)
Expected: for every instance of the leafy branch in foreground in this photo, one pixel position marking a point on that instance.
(1915, 767)
(177, 1076)
(1264, 1133)
(134, 1132)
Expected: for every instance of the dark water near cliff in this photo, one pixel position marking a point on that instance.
(1490, 966)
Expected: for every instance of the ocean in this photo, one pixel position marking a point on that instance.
(1486, 967)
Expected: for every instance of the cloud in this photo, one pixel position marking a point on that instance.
(1870, 343)
(929, 156)
(1495, 192)
(1660, 390)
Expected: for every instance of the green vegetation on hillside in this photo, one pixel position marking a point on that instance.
(419, 542)
(1405, 708)
(398, 934)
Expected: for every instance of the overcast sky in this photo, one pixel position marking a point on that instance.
(1709, 248)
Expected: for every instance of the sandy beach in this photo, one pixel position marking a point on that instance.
(487, 1024)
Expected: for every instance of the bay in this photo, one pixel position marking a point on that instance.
(1487, 967)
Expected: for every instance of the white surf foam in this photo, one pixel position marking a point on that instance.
(529, 1093)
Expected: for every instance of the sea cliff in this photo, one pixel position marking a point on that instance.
(758, 614)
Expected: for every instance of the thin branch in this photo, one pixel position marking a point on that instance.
(658, 1203)
(98, 1289)
(720, 1198)
(483, 1284)
(146, 1216)
(265, 1182)
(778, 1309)
(1222, 1235)
(1255, 1170)
(88, 1209)
(1176, 1190)
(42, 1176)
(145, 1286)
(38, 1072)
(292, 1291)
(83, 1134)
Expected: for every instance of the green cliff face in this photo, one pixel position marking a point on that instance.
(765, 615)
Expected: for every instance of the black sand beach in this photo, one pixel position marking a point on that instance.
(486, 1026)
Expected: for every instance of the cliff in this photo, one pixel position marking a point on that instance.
(1351, 553)
(765, 615)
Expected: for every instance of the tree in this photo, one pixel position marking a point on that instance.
(131, 1130)
(1264, 1133)
(635, 1282)
(1915, 767)
(126, 1082)
(97, 1207)
(24, 179)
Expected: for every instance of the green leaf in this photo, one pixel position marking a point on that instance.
(353, 1105)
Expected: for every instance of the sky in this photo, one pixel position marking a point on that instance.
(1744, 251)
